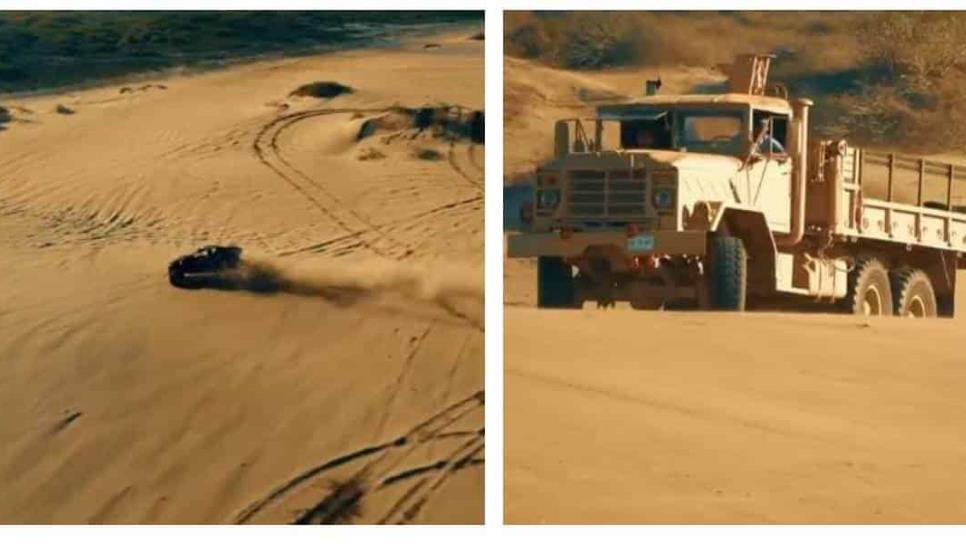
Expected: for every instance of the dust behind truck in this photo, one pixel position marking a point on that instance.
(723, 202)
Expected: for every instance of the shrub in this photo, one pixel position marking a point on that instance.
(371, 154)
(428, 154)
(911, 93)
(322, 89)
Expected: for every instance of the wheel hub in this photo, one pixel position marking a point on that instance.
(872, 301)
(917, 307)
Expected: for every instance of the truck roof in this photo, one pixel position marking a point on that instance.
(770, 103)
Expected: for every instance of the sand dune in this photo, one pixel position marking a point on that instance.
(129, 401)
(622, 416)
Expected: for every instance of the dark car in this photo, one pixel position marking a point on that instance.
(205, 267)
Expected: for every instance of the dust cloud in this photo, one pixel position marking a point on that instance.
(350, 283)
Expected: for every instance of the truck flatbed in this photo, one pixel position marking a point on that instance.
(931, 223)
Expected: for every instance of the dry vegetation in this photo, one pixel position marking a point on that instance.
(913, 92)
(602, 39)
(880, 79)
(322, 89)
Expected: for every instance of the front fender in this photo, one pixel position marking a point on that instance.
(752, 228)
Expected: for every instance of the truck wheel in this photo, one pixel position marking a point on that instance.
(946, 306)
(729, 274)
(650, 304)
(555, 283)
(913, 293)
(869, 291)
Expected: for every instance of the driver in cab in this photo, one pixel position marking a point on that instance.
(645, 139)
(767, 143)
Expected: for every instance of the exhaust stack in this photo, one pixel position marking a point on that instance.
(799, 147)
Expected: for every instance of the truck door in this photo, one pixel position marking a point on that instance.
(769, 177)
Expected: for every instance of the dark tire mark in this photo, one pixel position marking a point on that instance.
(433, 428)
(473, 160)
(263, 154)
(339, 506)
(451, 155)
(65, 422)
(397, 385)
(452, 310)
(317, 247)
(459, 460)
(274, 129)
(451, 376)
(397, 222)
(277, 126)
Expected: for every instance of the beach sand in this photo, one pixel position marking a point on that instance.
(353, 394)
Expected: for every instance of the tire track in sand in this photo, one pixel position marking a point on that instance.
(453, 205)
(383, 471)
(265, 146)
(470, 180)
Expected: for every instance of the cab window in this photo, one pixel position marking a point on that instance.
(646, 133)
(777, 142)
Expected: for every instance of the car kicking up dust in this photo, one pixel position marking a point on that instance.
(346, 284)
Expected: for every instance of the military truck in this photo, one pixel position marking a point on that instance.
(724, 202)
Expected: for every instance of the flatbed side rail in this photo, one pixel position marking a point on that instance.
(904, 199)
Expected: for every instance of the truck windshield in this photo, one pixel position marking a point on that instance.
(720, 131)
(710, 132)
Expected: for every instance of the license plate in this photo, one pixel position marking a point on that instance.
(641, 242)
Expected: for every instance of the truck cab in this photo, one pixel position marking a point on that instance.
(631, 196)
(675, 151)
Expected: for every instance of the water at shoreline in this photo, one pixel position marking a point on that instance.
(43, 52)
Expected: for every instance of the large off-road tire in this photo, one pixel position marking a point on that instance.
(946, 305)
(729, 274)
(913, 293)
(646, 304)
(556, 286)
(869, 290)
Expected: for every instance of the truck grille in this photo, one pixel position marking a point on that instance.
(614, 193)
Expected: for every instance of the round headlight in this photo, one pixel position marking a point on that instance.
(548, 198)
(663, 197)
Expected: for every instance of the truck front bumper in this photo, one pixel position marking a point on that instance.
(574, 244)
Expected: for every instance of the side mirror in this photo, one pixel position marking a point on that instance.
(561, 139)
